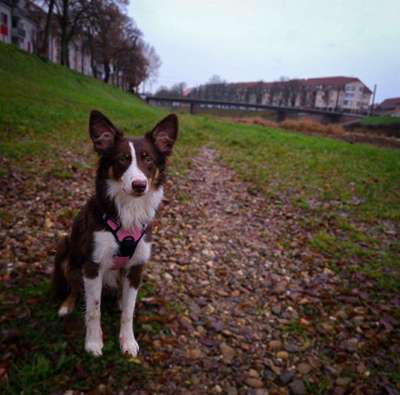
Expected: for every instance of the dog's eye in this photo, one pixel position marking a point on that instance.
(124, 158)
(146, 158)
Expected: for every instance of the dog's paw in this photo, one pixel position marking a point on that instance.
(67, 306)
(94, 347)
(130, 348)
(64, 310)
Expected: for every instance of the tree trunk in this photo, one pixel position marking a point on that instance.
(64, 34)
(106, 71)
(44, 50)
(92, 60)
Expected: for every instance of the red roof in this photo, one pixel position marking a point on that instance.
(391, 103)
(331, 81)
(336, 81)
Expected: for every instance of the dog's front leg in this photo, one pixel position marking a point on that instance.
(130, 286)
(94, 335)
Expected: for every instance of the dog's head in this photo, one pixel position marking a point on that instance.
(134, 165)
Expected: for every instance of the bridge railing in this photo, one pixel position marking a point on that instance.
(280, 110)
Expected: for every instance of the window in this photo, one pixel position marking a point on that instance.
(3, 25)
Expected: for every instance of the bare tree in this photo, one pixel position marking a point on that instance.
(70, 14)
(44, 46)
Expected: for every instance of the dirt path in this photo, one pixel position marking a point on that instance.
(256, 312)
(239, 303)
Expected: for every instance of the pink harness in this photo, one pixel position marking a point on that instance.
(127, 240)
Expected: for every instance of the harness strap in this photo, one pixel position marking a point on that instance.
(127, 239)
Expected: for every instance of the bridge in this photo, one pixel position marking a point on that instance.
(281, 111)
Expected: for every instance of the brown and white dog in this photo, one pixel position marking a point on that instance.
(110, 239)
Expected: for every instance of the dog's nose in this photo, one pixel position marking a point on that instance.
(139, 186)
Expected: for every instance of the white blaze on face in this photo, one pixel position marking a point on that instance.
(133, 173)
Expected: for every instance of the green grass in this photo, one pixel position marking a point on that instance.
(49, 357)
(362, 178)
(44, 108)
(380, 120)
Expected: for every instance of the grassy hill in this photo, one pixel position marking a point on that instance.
(380, 120)
(44, 108)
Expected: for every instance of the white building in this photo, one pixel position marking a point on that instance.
(17, 26)
(326, 93)
(5, 22)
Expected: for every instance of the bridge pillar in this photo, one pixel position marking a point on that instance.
(191, 108)
(281, 115)
(332, 118)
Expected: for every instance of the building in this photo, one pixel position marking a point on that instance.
(326, 93)
(390, 106)
(22, 23)
(5, 21)
(17, 25)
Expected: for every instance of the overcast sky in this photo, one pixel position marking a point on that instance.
(255, 40)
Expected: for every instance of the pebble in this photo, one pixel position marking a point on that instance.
(280, 288)
(297, 387)
(168, 277)
(351, 344)
(194, 353)
(254, 382)
(304, 368)
(343, 381)
(275, 345)
(231, 391)
(283, 355)
(286, 377)
(227, 352)
(276, 309)
(253, 373)
(217, 389)
(291, 347)
(267, 374)
(326, 328)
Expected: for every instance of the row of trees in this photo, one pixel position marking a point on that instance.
(108, 35)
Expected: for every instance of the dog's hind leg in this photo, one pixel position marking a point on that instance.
(60, 283)
(67, 282)
(68, 305)
(74, 278)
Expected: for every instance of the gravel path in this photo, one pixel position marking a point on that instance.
(256, 311)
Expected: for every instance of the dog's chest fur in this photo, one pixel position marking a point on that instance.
(132, 213)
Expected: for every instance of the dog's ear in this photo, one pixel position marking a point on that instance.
(102, 132)
(164, 134)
